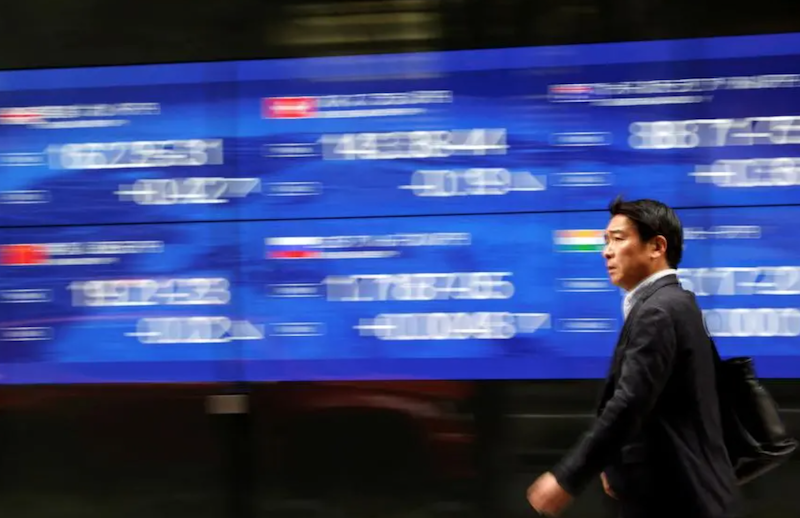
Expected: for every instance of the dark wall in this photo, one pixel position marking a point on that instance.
(406, 449)
(57, 33)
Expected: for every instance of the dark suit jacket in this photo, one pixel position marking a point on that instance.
(658, 434)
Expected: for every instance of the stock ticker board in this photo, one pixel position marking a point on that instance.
(241, 220)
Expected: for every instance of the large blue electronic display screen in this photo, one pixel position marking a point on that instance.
(120, 303)
(694, 123)
(116, 146)
(432, 216)
(445, 297)
(506, 296)
(690, 133)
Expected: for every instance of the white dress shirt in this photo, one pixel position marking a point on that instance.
(630, 297)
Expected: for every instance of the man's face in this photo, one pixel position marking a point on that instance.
(627, 258)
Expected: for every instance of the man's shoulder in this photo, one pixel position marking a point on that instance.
(673, 300)
(670, 292)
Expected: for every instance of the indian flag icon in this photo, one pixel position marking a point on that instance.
(579, 240)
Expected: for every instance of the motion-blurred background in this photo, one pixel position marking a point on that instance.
(366, 286)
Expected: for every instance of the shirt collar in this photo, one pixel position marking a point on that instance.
(630, 297)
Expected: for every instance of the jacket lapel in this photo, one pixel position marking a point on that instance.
(622, 341)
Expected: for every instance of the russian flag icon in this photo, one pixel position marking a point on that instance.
(22, 255)
(294, 248)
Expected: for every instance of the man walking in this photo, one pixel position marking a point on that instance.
(657, 442)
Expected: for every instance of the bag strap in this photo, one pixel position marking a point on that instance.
(717, 357)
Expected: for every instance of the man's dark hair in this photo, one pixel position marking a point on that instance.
(653, 218)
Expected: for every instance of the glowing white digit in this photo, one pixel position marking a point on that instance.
(365, 145)
(641, 135)
(438, 326)
(784, 171)
(420, 144)
(345, 146)
(721, 127)
(687, 136)
(784, 130)
(197, 152)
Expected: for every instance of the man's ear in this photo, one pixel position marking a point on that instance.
(659, 244)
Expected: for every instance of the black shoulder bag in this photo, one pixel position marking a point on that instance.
(754, 432)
